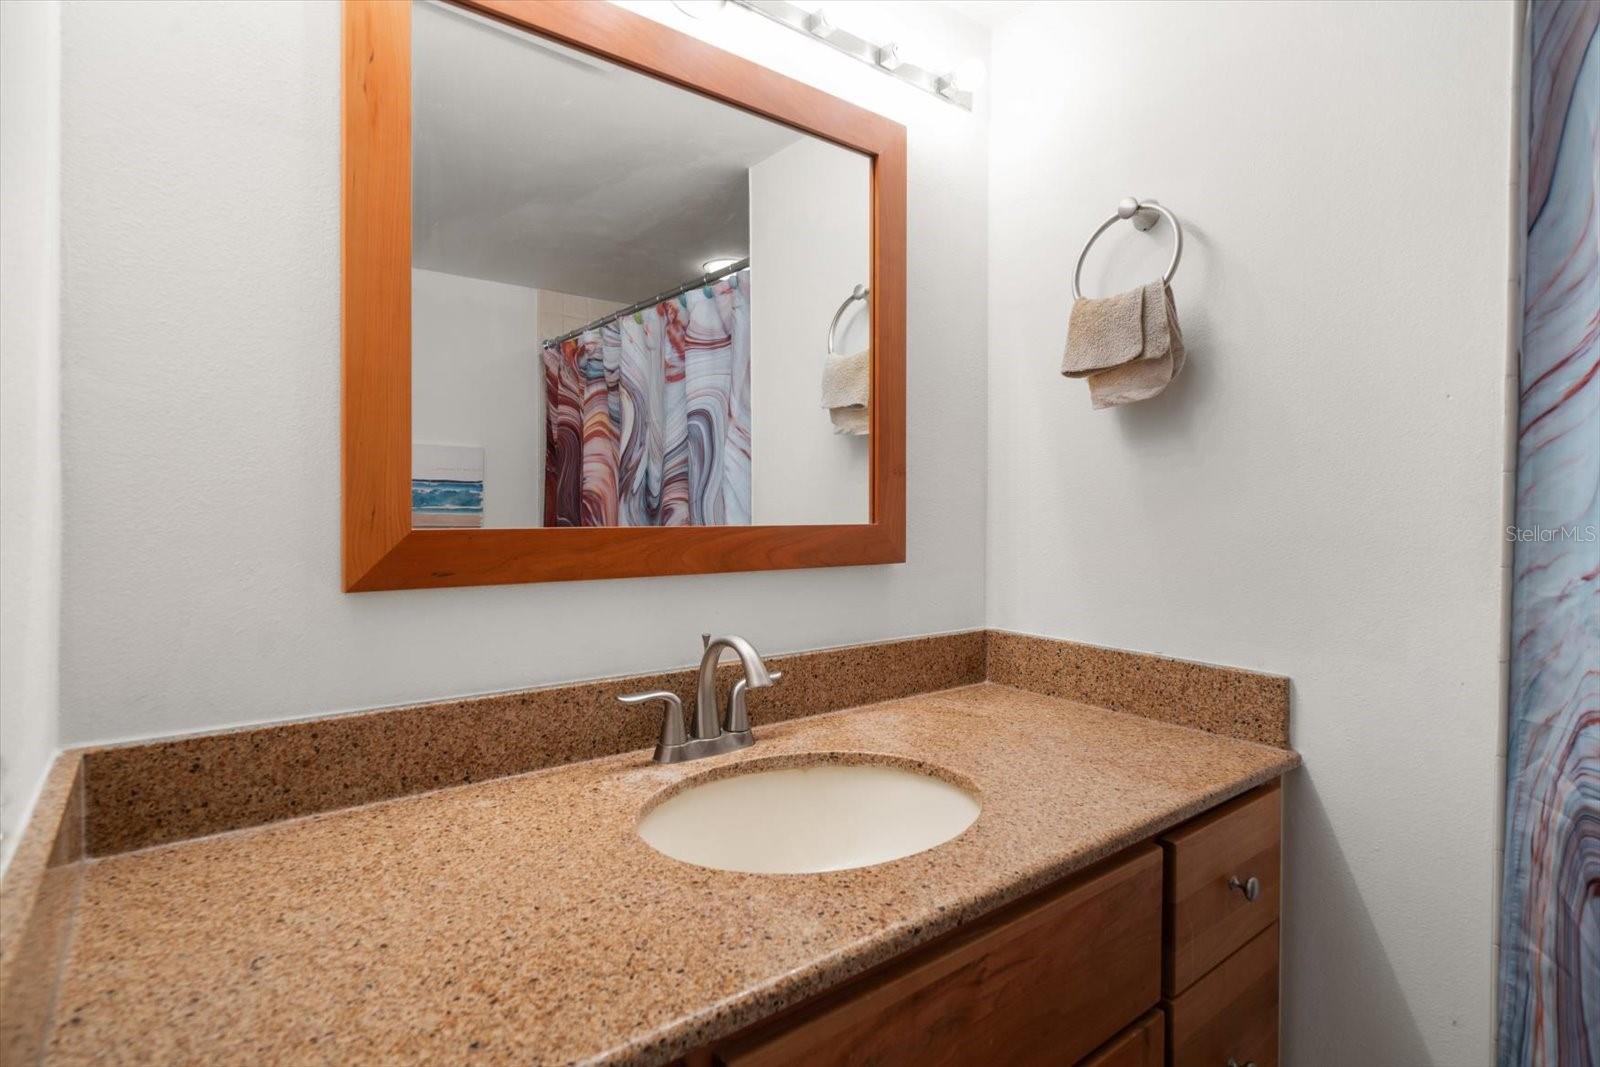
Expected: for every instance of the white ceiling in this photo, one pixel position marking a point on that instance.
(541, 166)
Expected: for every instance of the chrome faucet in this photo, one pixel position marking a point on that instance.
(755, 677)
(707, 736)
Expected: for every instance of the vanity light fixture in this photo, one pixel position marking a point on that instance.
(955, 87)
(965, 78)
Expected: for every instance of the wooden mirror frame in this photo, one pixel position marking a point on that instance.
(381, 550)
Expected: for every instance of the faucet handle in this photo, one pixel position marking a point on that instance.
(672, 732)
(738, 711)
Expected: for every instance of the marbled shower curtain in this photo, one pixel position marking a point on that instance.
(1550, 923)
(648, 417)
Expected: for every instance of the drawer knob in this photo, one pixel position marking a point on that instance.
(1251, 888)
(1235, 1063)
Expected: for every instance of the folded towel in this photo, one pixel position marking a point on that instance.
(847, 391)
(854, 421)
(1104, 333)
(1124, 364)
(1141, 379)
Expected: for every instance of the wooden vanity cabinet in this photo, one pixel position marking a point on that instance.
(1220, 973)
(1008, 989)
(1144, 1044)
(1207, 919)
(1230, 1015)
(1149, 959)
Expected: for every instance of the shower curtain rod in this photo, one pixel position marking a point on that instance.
(704, 279)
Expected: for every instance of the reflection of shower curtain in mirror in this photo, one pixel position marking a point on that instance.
(647, 419)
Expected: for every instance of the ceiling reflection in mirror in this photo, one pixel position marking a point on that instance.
(631, 303)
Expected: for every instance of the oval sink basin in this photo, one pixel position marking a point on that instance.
(805, 820)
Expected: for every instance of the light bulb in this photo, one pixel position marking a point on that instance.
(719, 263)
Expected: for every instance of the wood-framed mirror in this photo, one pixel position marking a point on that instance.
(594, 277)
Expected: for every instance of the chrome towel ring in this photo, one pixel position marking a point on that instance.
(860, 292)
(1144, 214)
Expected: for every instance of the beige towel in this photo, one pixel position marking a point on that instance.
(1104, 333)
(1141, 379)
(847, 391)
(1125, 363)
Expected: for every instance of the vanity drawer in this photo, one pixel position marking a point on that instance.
(1206, 917)
(1144, 1044)
(1045, 981)
(1230, 1015)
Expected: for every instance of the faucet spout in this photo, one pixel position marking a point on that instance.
(707, 723)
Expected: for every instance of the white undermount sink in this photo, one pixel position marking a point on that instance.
(805, 820)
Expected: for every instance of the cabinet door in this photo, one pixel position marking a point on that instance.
(1046, 982)
(1141, 1045)
(1207, 919)
(1232, 1013)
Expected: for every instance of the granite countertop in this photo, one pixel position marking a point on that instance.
(522, 920)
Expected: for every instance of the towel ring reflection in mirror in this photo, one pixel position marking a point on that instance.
(861, 292)
(1144, 214)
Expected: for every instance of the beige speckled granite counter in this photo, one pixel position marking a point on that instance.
(37, 897)
(521, 920)
(155, 792)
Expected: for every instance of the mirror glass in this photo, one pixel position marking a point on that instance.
(624, 297)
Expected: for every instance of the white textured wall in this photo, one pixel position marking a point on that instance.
(1320, 494)
(477, 379)
(30, 392)
(810, 246)
(201, 437)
